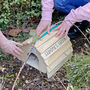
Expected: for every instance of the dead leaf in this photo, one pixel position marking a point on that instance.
(14, 32)
(27, 30)
(11, 26)
(24, 25)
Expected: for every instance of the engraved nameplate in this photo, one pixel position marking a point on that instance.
(54, 48)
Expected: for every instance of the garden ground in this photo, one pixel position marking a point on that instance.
(75, 71)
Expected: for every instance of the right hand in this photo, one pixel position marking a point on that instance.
(63, 29)
(10, 47)
(43, 25)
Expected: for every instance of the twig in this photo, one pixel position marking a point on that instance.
(77, 28)
(21, 69)
(2, 69)
(2, 83)
(81, 32)
(61, 83)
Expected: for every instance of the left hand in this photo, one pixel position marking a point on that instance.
(63, 29)
(43, 25)
(10, 47)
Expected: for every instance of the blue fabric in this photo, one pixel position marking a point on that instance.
(65, 6)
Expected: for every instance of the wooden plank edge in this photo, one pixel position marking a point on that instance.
(58, 53)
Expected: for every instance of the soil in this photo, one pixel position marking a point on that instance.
(32, 79)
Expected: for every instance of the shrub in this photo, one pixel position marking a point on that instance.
(15, 11)
(78, 70)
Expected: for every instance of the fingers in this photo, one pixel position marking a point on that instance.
(43, 25)
(16, 53)
(59, 32)
(18, 44)
(63, 30)
(48, 30)
(67, 32)
(62, 33)
(19, 50)
(11, 48)
(57, 28)
(38, 31)
(40, 28)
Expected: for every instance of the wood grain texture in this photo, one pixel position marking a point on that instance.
(50, 60)
(51, 70)
(50, 53)
(54, 47)
(45, 39)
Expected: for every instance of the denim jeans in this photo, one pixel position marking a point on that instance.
(65, 6)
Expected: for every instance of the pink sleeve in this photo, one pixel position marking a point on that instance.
(78, 15)
(47, 9)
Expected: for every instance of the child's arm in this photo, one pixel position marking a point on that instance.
(45, 23)
(47, 9)
(78, 15)
(9, 46)
(2, 38)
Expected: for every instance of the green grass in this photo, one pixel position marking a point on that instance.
(78, 70)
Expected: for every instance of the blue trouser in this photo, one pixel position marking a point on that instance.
(65, 6)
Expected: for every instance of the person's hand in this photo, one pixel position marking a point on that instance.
(43, 25)
(10, 47)
(63, 29)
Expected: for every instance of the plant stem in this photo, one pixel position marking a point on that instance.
(21, 69)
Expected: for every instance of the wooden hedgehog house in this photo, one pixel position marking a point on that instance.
(49, 53)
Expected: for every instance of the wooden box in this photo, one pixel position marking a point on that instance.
(49, 53)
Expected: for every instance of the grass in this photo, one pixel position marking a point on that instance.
(78, 71)
(78, 68)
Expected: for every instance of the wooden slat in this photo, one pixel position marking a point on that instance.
(60, 59)
(44, 39)
(48, 44)
(52, 52)
(42, 65)
(58, 53)
(53, 69)
(28, 41)
(25, 49)
(47, 53)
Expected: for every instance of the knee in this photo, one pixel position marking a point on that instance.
(63, 6)
(58, 3)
